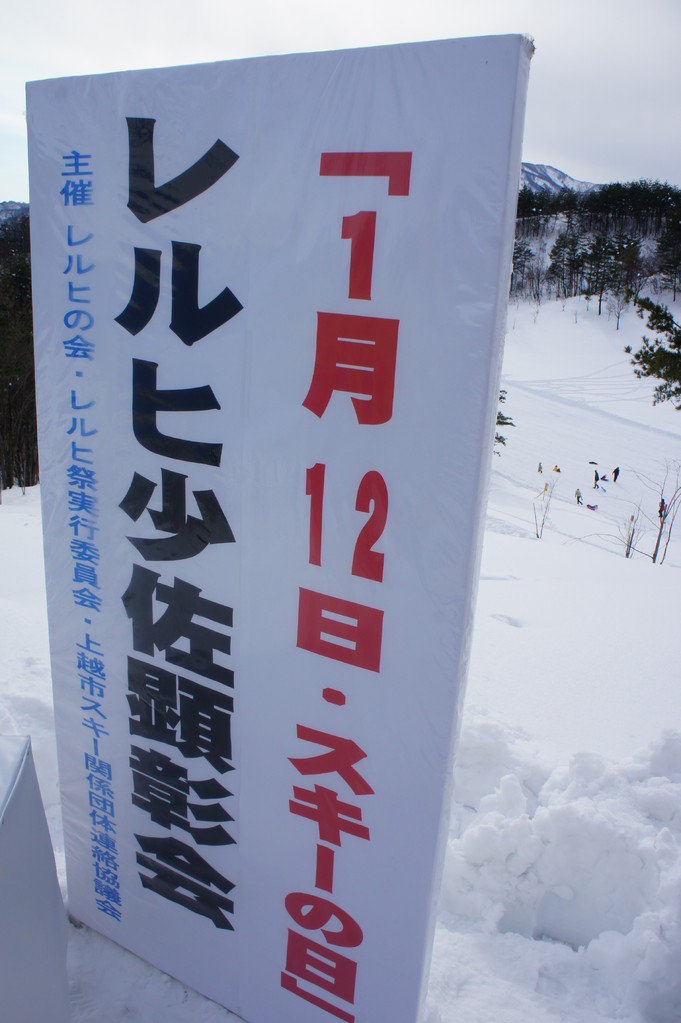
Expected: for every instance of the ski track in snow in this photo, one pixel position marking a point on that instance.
(561, 894)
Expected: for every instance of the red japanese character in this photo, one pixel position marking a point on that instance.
(332, 815)
(317, 632)
(355, 354)
(396, 167)
(313, 911)
(321, 967)
(343, 754)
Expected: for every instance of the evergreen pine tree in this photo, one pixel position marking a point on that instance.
(668, 257)
(659, 357)
(502, 420)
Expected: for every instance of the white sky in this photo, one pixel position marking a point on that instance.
(604, 101)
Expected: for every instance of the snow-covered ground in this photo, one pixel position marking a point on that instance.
(561, 895)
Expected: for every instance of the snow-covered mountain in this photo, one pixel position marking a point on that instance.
(11, 209)
(541, 177)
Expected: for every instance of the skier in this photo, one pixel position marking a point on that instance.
(556, 469)
(662, 509)
(539, 469)
(615, 474)
(578, 495)
(596, 479)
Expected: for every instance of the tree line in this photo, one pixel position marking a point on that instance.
(18, 436)
(642, 208)
(608, 244)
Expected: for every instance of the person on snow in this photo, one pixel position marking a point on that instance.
(662, 509)
(615, 474)
(539, 469)
(578, 495)
(556, 469)
(596, 479)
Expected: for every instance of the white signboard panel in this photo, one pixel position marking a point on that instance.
(269, 303)
(33, 925)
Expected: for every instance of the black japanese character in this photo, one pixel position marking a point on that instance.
(147, 401)
(191, 535)
(177, 868)
(184, 604)
(148, 200)
(161, 788)
(188, 321)
(160, 702)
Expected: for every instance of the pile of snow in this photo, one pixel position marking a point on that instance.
(564, 882)
(561, 895)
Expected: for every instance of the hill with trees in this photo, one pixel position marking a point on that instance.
(611, 243)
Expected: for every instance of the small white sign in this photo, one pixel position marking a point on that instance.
(33, 924)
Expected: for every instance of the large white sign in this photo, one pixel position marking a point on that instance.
(269, 306)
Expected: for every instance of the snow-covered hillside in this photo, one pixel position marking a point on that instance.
(561, 896)
(542, 177)
(10, 209)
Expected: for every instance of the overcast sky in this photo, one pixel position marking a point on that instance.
(604, 100)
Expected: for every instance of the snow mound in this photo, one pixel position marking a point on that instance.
(584, 856)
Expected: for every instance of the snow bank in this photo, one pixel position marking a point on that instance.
(585, 857)
(561, 896)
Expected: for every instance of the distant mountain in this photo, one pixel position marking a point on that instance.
(12, 209)
(540, 177)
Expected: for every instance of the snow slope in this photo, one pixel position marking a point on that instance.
(561, 896)
(542, 177)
